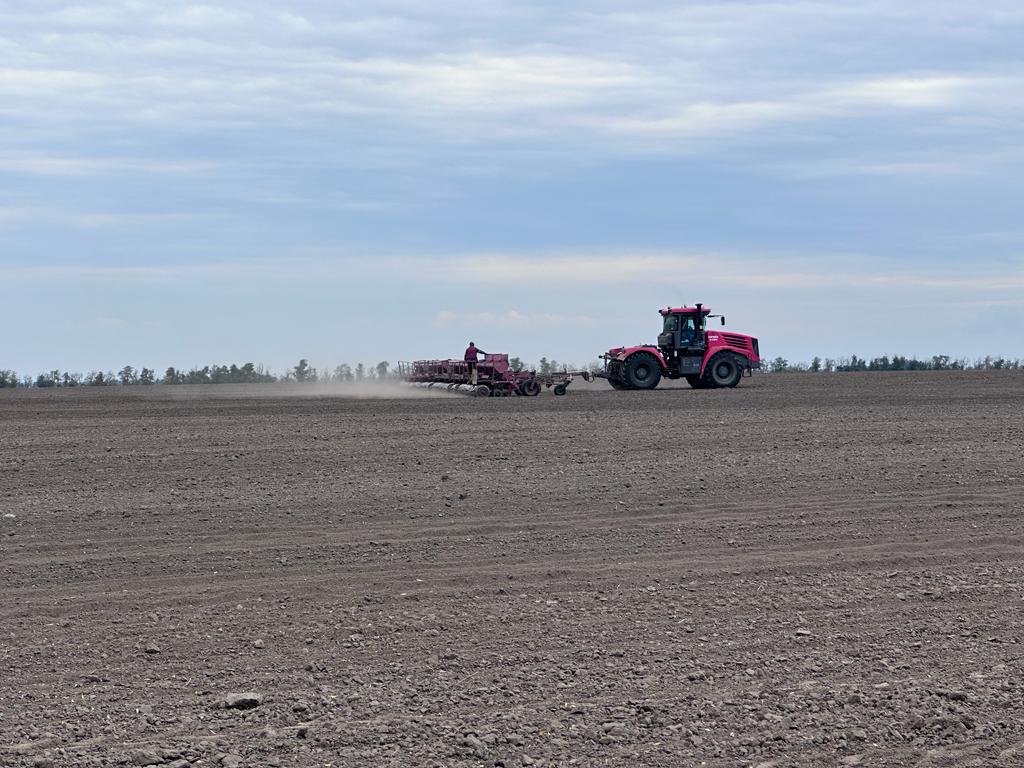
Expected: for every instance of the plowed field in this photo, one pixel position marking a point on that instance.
(806, 570)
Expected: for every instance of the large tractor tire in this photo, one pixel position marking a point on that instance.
(642, 371)
(696, 382)
(616, 372)
(723, 370)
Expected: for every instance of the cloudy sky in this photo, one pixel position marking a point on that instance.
(356, 181)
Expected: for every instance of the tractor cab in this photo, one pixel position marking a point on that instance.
(683, 329)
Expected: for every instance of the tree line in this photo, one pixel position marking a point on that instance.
(894, 363)
(246, 373)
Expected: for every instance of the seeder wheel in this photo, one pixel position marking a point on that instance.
(559, 389)
(529, 388)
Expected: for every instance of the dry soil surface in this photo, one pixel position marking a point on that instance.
(808, 570)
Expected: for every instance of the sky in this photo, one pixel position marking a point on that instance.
(184, 184)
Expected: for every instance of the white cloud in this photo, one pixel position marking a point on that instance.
(57, 216)
(562, 272)
(745, 271)
(16, 82)
(12, 214)
(840, 99)
(906, 92)
(57, 165)
(513, 319)
(655, 75)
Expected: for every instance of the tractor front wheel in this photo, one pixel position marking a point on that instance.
(696, 382)
(723, 371)
(642, 371)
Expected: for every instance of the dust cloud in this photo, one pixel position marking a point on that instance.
(368, 389)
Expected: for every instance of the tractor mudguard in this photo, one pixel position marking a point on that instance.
(624, 352)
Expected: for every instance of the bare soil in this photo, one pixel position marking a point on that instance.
(806, 570)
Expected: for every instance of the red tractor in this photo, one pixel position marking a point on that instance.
(685, 349)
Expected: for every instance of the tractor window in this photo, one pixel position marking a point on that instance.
(688, 323)
(671, 323)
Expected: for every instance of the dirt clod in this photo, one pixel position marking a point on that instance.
(247, 700)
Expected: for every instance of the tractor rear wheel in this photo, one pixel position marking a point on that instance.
(723, 371)
(696, 382)
(642, 371)
(617, 384)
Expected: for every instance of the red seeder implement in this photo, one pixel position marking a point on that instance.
(494, 377)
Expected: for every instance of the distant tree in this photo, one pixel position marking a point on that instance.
(128, 375)
(199, 376)
(303, 371)
(71, 379)
(815, 366)
(343, 373)
(382, 369)
(8, 379)
(515, 364)
(147, 376)
(545, 367)
(46, 380)
(779, 365)
(95, 379)
(853, 364)
(360, 372)
(250, 373)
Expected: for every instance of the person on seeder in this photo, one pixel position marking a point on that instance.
(472, 352)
